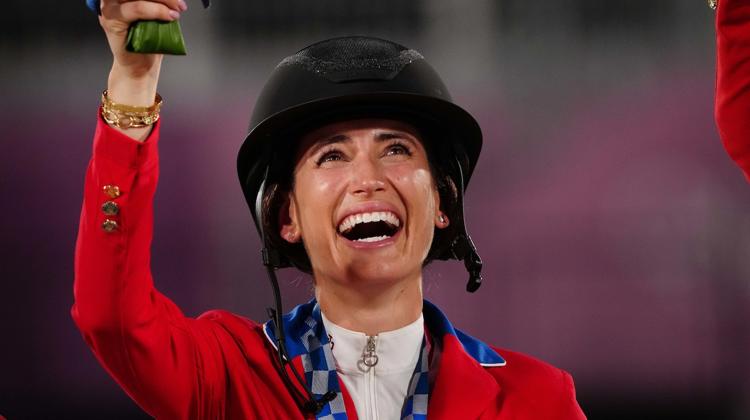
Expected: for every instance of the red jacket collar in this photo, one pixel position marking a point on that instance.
(462, 388)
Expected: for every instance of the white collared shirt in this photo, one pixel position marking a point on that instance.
(378, 392)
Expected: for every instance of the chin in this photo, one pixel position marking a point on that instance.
(380, 272)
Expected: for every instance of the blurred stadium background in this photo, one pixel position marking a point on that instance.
(614, 229)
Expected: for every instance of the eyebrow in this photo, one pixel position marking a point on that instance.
(343, 138)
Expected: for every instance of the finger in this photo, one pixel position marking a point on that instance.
(141, 10)
(178, 5)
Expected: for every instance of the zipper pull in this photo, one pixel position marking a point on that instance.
(369, 358)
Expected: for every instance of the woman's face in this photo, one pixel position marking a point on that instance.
(364, 202)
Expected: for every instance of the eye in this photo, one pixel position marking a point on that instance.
(397, 148)
(332, 155)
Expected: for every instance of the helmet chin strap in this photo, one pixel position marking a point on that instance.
(272, 260)
(462, 246)
(464, 249)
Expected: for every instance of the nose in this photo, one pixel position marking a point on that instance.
(367, 178)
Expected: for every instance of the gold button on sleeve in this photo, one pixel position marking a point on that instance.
(110, 208)
(713, 4)
(109, 225)
(112, 191)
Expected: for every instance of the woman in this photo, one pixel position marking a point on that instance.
(354, 171)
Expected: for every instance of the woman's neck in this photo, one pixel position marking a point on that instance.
(371, 311)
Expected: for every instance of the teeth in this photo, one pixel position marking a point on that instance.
(377, 216)
(372, 239)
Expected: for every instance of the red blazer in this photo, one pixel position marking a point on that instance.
(220, 365)
(733, 79)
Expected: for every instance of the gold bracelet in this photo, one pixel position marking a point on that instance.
(129, 116)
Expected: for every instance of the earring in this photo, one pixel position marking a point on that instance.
(291, 237)
(443, 219)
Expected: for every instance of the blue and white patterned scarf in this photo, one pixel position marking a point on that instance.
(320, 368)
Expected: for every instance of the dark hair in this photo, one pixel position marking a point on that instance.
(280, 182)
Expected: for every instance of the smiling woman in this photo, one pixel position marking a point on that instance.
(354, 170)
(372, 194)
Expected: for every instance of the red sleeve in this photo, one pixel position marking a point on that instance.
(170, 365)
(733, 79)
(569, 407)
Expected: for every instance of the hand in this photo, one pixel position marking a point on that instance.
(116, 18)
(134, 77)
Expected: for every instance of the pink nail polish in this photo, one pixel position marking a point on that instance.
(183, 5)
(174, 14)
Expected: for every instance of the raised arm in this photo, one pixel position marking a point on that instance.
(169, 364)
(134, 77)
(733, 79)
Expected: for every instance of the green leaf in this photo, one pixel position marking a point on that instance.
(156, 37)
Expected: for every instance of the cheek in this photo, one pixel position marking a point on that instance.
(422, 211)
(311, 184)
(321, 183)
(316, 195)
(424, 179)
(418, 190)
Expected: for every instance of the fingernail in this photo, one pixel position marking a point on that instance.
(183, 5)
(174, 14)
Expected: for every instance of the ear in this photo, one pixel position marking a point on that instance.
(288, 221)
(441, 219)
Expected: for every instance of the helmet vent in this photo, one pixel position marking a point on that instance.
(354, 58)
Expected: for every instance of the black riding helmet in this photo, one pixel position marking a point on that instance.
(346, 78)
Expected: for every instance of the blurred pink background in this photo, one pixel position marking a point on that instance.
(614, 229)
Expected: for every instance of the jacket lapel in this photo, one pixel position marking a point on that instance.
(462, 387)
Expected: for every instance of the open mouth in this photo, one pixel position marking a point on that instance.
(370, 227)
